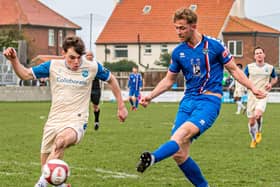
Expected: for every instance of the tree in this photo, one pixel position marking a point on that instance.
(10, 37)
(165, 59)
(120, 66)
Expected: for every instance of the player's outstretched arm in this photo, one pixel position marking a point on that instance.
(22, 72)
(239, 75)
(160, 88)
(272, 82)
(122, 111)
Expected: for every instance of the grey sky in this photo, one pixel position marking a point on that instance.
(78, 11)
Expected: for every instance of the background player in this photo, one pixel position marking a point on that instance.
(95, 94)
(263, 76)
(239, 92)
(70, 84)
(201, 59)
(135, 84)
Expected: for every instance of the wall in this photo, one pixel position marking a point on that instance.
(32, 93)
(269, 43)
(133, 54)
(37, 38)
(28, 93)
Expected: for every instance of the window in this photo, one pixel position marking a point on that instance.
(193, 7)
(147, 9)
(121, 51)
(51, 38)
(164, 48)
(148, 49)
(235, 48)
(60, 38)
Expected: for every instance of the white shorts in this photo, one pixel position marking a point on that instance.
(253, 104)
(51, 131)
(238, 93)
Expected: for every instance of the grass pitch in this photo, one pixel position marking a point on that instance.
(107, 157)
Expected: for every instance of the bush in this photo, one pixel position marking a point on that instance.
(165, 59)
(120, 66)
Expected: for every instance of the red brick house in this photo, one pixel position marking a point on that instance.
(43, 28)
(141, 30)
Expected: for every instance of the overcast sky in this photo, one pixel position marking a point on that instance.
(78, 11)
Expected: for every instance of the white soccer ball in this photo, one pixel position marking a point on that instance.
(56, 171)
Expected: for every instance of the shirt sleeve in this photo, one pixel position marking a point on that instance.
(174, 66)
(102, 73)
(273, 73)
(42, 70)
(223, 53)
(246, 71)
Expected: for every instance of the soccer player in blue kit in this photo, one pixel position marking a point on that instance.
(134, 84)
(202, 60)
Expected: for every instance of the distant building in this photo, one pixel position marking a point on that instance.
(142, 30)
(43, 28)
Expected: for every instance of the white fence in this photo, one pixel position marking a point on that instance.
(7, 75)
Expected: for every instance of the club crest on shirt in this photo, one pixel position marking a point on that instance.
(85, 73)
(196, 66)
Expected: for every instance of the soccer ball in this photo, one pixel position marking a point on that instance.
(56, 171)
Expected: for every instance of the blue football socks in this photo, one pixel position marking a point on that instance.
(136, 102)
(193, 173)
(166, 150)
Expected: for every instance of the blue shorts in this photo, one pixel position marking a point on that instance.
(133, 92)
(201, 110)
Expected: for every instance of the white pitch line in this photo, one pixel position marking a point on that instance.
(11, 173)
(108, 173)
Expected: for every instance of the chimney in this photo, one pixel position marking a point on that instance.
(238, 8)
(117, 1)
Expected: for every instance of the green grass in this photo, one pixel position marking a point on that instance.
(107, 158)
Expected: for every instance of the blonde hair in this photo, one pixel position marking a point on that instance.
(186, 14)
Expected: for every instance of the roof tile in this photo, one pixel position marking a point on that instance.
(32, 12)
(128, 20)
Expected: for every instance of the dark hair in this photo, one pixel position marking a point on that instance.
(186, 14)
(75, 42)
(258, 47)
(240, 66)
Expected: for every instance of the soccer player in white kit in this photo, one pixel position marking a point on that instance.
(263, 76)
(239, 92)
(70, 83)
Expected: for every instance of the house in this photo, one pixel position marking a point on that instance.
(43, 28)
(142, 30)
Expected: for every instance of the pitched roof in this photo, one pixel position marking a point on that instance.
(32, 12)
(128, 19)
(237, 24)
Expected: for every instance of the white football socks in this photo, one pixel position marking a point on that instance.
(253, 130)
(41, 182)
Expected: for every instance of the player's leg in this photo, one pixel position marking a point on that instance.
(64, 139)
(136, 94)
(240, 106)
(189, 167)
(252, 126)
(202, 118)
(96, 109)
(167, 149)
(96, 116)
(42, 181)
(131, 94)
(259, 120)
(258, 113)
(46, 146)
